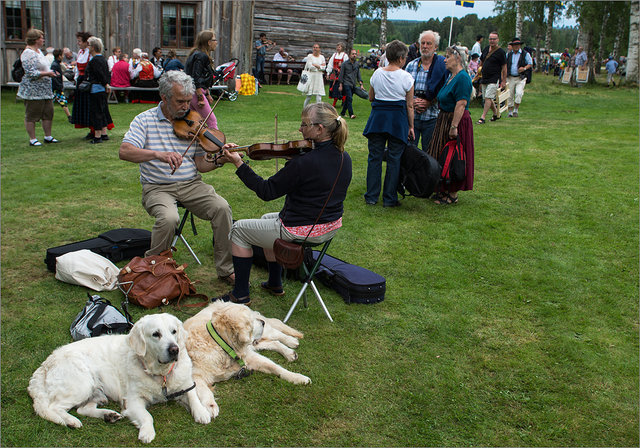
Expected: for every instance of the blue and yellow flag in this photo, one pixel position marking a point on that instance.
(465, 3)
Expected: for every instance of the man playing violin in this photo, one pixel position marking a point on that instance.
(261, 46)
(168, 176)
(314, 185)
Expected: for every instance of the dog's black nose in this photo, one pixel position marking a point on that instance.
(173, 351)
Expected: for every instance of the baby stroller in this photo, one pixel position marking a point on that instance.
(221, 76)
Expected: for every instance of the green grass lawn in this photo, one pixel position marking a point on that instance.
(510, 319)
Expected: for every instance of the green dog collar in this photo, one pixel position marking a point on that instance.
(222, 343)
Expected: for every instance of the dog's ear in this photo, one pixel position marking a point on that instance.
(136, 339)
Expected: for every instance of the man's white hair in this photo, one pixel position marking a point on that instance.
(436, 37)
(168, 79)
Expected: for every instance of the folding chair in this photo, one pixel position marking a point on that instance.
(308, 281)
(502, 100)
(179, 229)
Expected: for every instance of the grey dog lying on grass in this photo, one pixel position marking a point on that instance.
(245, 331)
(149, 365)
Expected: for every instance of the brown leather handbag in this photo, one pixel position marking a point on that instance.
(288, 255)
(155, 280)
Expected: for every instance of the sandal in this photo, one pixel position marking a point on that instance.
(446, 199)
(246, 300)
(230, 279)
(481, 121)
(275, 290)
(495, 118)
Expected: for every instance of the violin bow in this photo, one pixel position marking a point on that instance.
(276, 139)
(199, 129)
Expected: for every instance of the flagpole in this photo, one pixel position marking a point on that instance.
(453, 5)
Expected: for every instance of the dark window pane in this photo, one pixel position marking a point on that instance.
(14, 21)
(34, 15)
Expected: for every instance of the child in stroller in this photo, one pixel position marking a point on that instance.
(222, 75)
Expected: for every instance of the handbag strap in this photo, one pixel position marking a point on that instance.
(325, 202)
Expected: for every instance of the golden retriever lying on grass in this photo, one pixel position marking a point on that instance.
(245, 331)
(149, 365)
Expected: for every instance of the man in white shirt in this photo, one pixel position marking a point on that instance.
(281, 57)
(477, 47)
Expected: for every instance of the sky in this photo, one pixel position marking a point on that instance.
(441, 9)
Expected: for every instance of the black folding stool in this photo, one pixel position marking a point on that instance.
(180, 227)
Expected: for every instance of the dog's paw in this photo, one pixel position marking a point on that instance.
(146, 435)
(290, 355)
(112, 417)
(72, 422)
(202, 416)
(290, 341)
(213, 409)
(211, 406)
(300, 379)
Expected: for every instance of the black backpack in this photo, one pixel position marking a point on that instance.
(454, 164)
(17, 72)
(419, 173)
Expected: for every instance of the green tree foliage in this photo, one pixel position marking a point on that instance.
(464, 29)
(378, 10)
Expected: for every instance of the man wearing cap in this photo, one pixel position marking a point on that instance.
(519, 65)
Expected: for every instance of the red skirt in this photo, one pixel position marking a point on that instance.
(441, 137)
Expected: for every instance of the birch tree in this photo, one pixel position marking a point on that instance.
(519, 19)
(632, 55)
(379, 9)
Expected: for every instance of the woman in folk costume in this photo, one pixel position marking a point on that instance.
(147, 75)
(333, 71)
(454, 121)
(80, 112)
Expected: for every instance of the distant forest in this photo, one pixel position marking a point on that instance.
(464, 32)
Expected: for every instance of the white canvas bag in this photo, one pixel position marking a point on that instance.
(86, 268)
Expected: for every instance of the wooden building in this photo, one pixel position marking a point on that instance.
(297, 25)
(129, 24)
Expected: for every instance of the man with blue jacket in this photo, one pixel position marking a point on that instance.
(429, 73)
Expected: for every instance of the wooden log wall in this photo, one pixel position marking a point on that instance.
(297, 25)
(130, 24)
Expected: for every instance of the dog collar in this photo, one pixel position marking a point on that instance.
(227, 348)
(164, 383)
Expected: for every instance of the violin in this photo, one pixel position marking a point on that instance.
(192, 125)
(266, 151)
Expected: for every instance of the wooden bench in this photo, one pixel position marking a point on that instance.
(113, 98)
(271, 70)
(68, 86)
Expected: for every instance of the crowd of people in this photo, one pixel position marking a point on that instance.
(45, 76)
(418, 97)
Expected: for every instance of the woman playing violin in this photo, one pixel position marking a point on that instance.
(306, 182)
